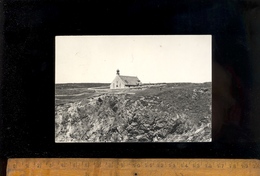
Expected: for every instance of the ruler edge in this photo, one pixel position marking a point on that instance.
(213, 159)
(10, 160)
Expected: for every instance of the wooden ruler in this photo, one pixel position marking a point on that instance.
(133, 167)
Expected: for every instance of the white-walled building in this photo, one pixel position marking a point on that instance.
(121, 82)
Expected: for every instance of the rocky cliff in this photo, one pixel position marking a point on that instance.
(167, 116)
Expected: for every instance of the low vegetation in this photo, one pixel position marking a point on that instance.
(73, 92)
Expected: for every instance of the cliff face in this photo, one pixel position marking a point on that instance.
(164, 117)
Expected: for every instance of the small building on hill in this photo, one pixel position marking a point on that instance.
(121, 82)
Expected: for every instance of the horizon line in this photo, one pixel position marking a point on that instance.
(142, 83)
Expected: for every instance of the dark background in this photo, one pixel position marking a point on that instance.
(27, 68)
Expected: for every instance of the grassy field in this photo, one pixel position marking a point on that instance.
(72, 92)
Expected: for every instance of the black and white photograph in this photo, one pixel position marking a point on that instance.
(133, 88)
(129, 79)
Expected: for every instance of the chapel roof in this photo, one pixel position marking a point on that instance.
(130, 80)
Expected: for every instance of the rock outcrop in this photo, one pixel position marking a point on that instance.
(184, 117)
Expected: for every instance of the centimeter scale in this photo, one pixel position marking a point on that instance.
(132, 167)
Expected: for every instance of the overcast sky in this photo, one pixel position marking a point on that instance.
(161, 58)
